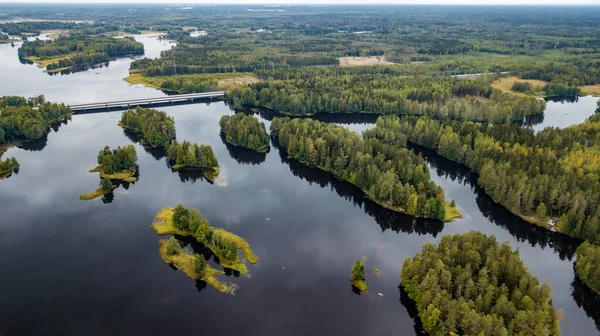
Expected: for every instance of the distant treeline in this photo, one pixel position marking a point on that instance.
(342, 90)
(80, 49)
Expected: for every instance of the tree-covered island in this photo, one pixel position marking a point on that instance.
(245, 131)
(391, 175)
(357, 276)
(8, 166)
(119, 165)
(471, 285)
(158, 131)
(225, 245)
(77, 48)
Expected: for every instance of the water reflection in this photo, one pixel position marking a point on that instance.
(411, 309)
(79, 68)
(387, 219)
(244, 155)
(563, 245)
(156, 153)
(586, 299)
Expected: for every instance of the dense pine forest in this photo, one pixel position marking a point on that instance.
(586, 266)
(390, 175)
(22, 118)
(538, 176)
(470, 284)
(343, 90)
(245, 131)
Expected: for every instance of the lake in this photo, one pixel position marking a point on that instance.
(71, 267)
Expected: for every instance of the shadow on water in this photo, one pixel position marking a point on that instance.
(387, 219)
(411, 308)
(156, 153)
(244, 155)
(39, 144)
(567, 99)
(587, 299)
(79, 68)
(563, 245)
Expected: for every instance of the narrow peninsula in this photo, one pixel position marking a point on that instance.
(118, 165)
(245, 131)
(390, 174)
(470, 284)
(225, 245)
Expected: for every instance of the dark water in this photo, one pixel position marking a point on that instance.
(70, 267)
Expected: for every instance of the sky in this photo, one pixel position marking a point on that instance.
(283, 2)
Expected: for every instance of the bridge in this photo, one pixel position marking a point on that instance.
(144, 102)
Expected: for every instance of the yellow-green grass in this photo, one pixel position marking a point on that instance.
(451, 212)
(239, 242)
(225, 81)
(360, 285)
(209, 173)
(505, 84)
(99, 192)
(593, 90)
(125, 175)
(58, 69)
(42, 63)
(185, 262)
(163, 225)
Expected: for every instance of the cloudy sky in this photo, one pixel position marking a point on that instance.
(453, 2)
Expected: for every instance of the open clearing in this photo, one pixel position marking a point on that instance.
(358, 61)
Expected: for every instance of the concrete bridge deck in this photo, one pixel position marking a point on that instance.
(126, 104)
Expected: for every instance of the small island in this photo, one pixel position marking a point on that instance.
(155, 127)
(118, 165)
(470, 284)
(8, 166)
(245, 131)
(194, 266)
(225, 245)
(186, 155)
(158, 131)
(358, 276)
(586, 266)
(77, 49)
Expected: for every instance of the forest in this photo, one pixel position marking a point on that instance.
(30, 118)
(156, 127)
(118, 160)
(372, 90)
(470, 284)
(551, 174)
(389, 174)
(586, 265)
(78, 48)
(245, 131)
(158, 131)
